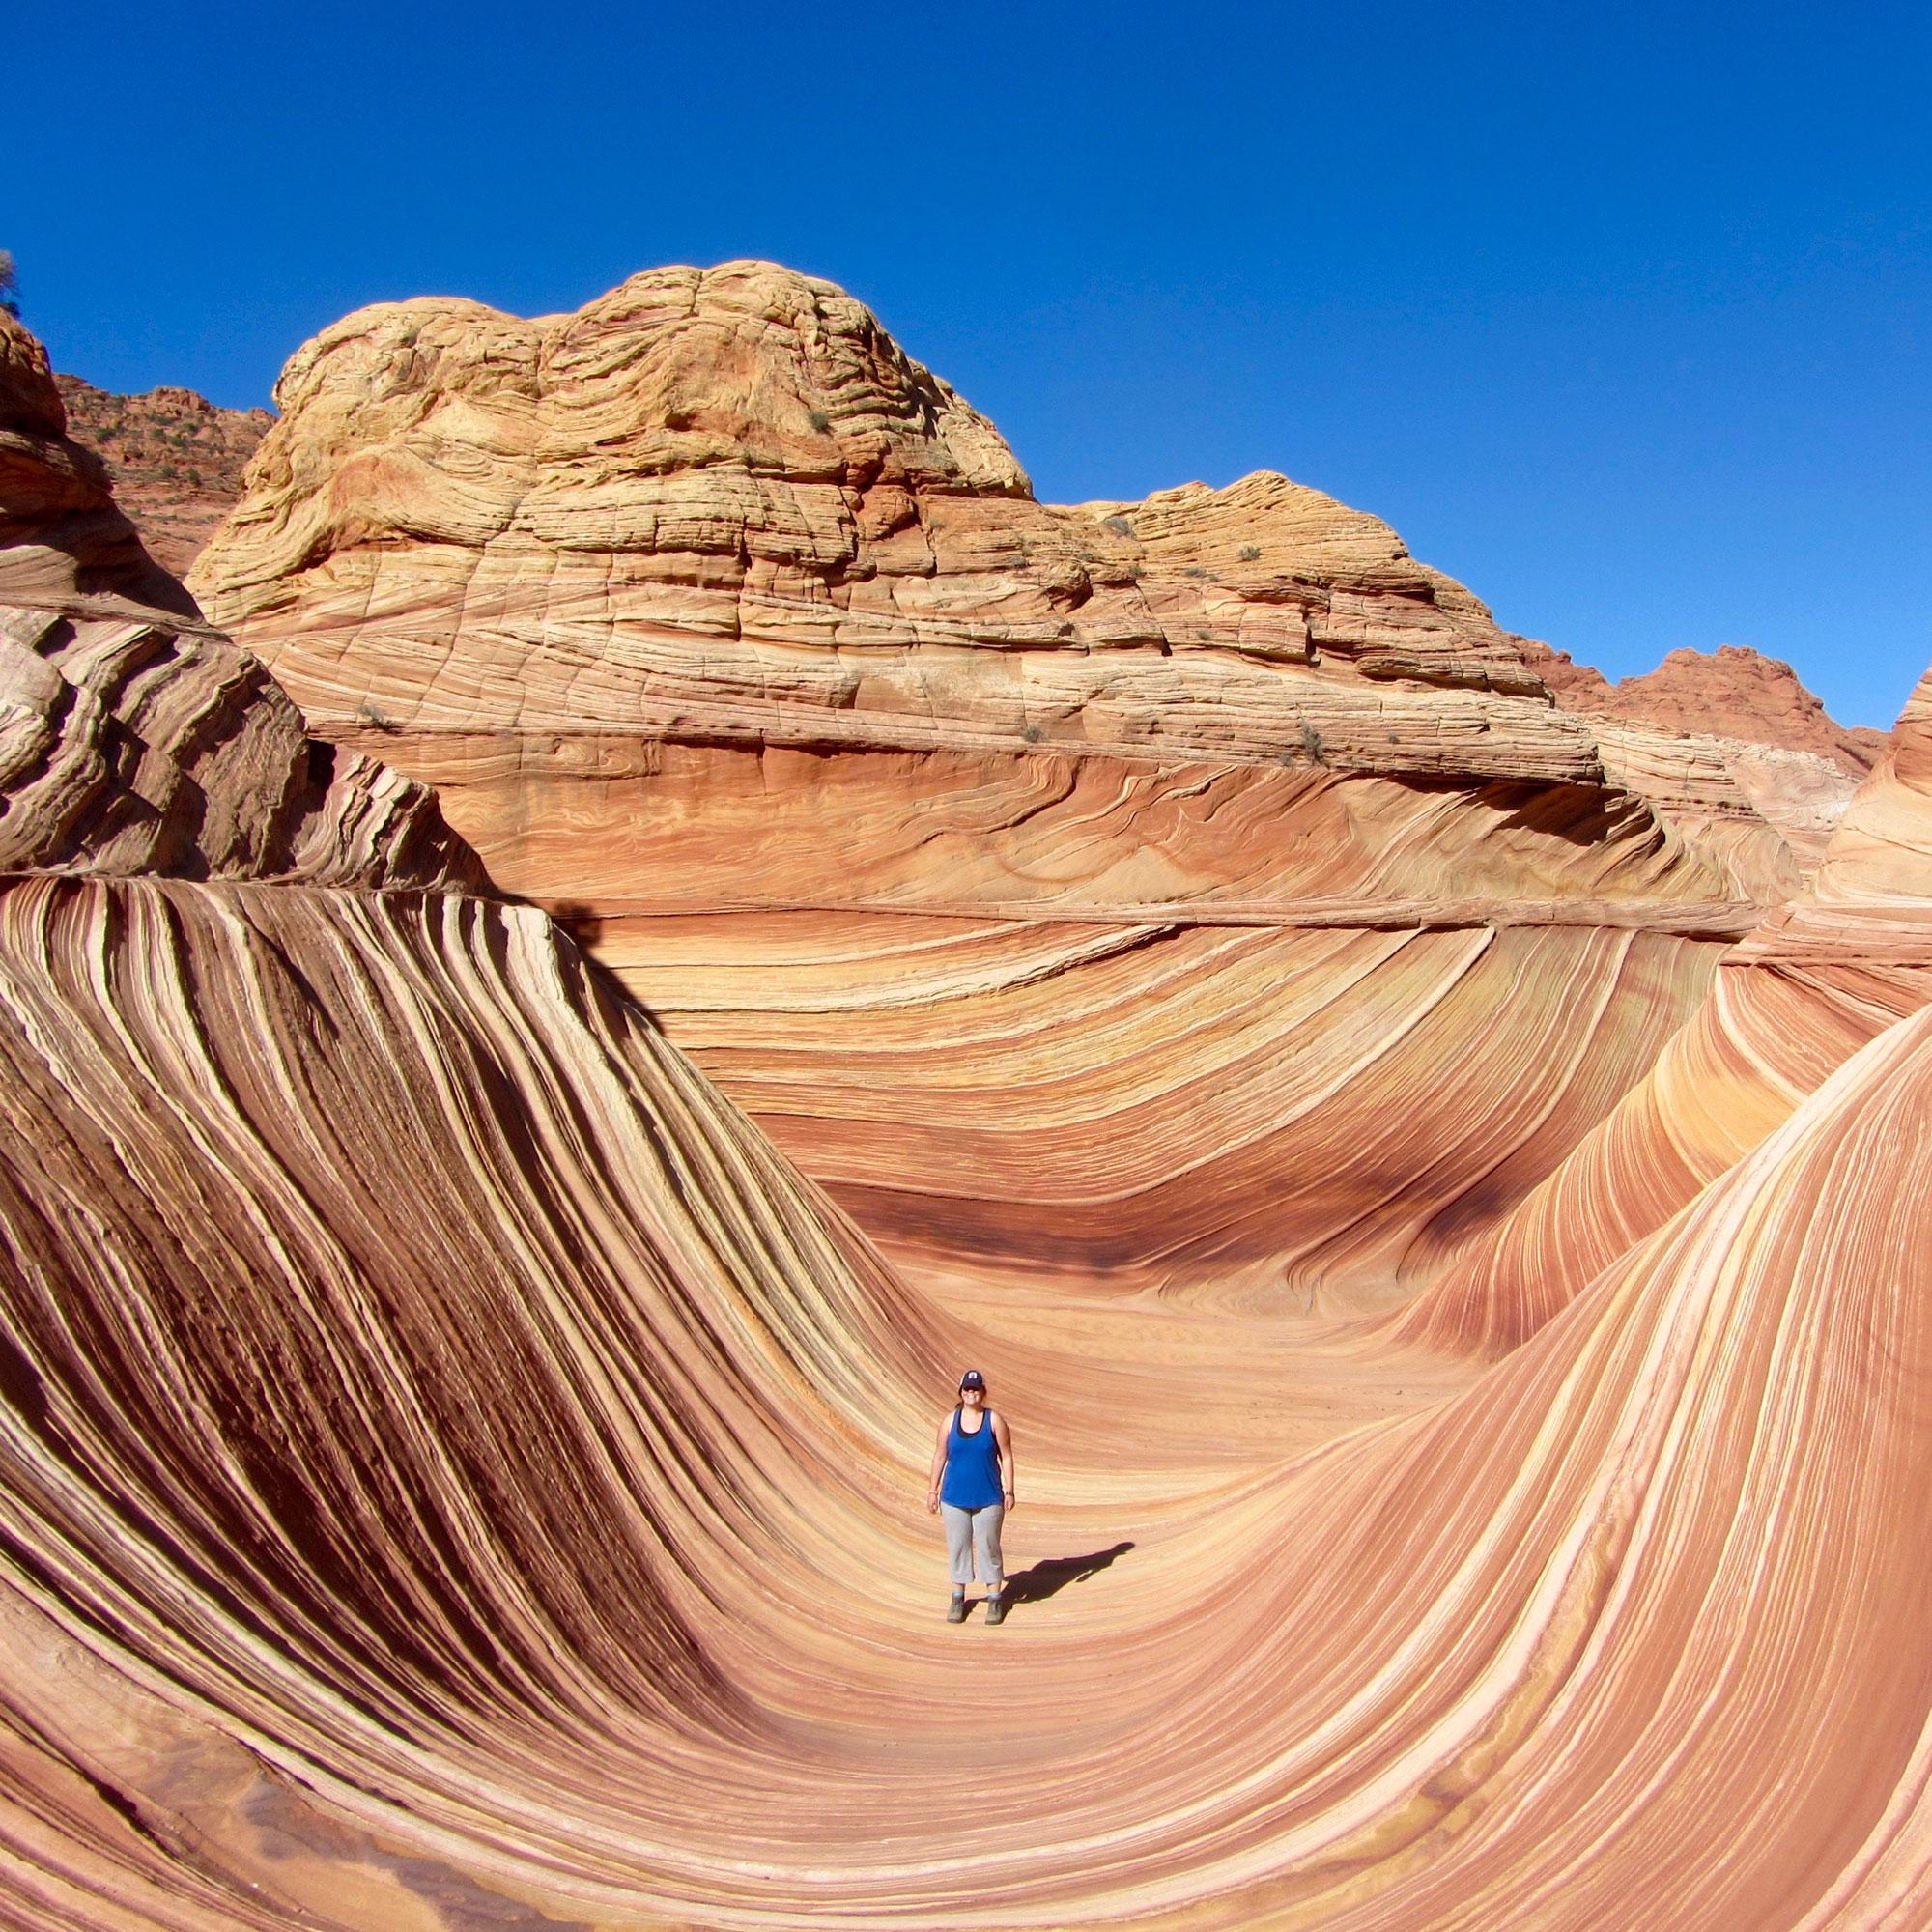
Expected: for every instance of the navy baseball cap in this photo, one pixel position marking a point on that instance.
(971, 1380)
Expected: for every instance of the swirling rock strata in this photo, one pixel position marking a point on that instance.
(501, 1516)
(719, 623)
(1808, 988)
(1194, 1108)
(454, 1471)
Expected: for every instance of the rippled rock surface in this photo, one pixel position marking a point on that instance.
(1086, 891)
(455, 1472)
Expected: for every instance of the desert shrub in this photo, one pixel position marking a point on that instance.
(819, 420)
(1119, 525)
(1250, 553)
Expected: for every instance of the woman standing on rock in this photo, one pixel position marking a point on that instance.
(972, 1486)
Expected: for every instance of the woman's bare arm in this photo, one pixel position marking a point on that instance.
(1002, 1438)
(939, 1466)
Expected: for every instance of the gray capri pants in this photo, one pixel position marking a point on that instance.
(971, 1533)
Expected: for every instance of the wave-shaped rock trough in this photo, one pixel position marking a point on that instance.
(454, 1471)
(1206, 1110)
(536, 1515)
(1810, 984)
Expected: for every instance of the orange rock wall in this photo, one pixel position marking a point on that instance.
(709, 605)
(1810, 987)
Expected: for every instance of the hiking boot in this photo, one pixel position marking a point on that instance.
(955, 1611)
(996, 1608)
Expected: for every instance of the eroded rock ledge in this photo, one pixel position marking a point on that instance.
(724, 505)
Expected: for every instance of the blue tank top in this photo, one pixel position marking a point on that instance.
(971, 1466)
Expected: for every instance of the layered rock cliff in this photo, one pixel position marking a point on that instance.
(175, 460)
(725, 504)
(1078, 885)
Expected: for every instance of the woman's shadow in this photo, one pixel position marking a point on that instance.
(1045, 1579)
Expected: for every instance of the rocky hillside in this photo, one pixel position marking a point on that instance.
(175, 460)
(1730, 692)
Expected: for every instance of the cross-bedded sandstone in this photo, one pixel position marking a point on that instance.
(454, 1470)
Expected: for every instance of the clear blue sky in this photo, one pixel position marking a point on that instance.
(1621, 314)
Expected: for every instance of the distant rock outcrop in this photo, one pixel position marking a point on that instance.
(1730, 693)
(175, 460)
